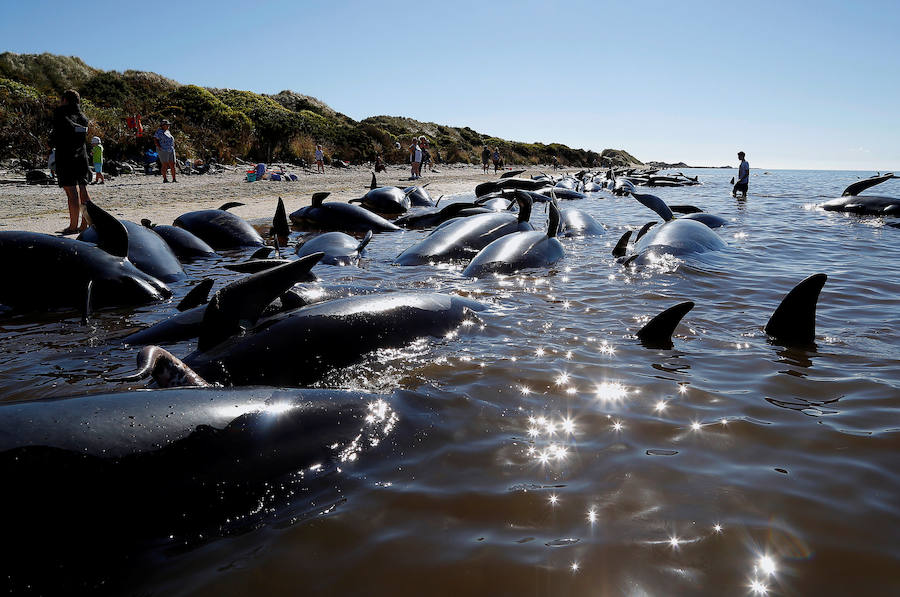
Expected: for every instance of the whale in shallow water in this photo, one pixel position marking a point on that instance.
(39, 270)
(146, 249)
(851, 201)
(336, 216)
(678, 237)
(186, 245)
(462, 238)
(96, 481)
(338, 248)
(389, 201)
(220, 228)
(520, 250)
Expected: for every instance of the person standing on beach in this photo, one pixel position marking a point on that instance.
(320, 160)
(165, 147)
(97, 151)
(498, 162)
(416, 153)
(72, 167)
(485, 159)
(426, 155)
(743, 178)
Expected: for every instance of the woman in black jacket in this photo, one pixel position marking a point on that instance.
(72, 166)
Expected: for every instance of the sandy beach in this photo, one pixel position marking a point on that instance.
(42, 208)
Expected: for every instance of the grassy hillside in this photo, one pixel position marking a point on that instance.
(229, 123)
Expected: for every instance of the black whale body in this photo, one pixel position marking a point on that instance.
(147, 250)
(185, 244)
(39, 270)
(341, 217)
(298, 347)
(99, 481)
(220, 229)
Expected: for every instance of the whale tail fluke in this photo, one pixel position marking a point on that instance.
(794, 321)
(198, 295)
(657, 333)
(167, 370)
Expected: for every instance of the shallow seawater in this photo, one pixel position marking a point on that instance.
(546, 451)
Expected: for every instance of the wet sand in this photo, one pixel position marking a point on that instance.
(42, 208)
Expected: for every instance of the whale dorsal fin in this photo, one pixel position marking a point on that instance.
(657, 333)
(318, 198)
(644, 230)
(230, 204)
(362, 244)
(438, 200)
(553, 220)
(262, 253)
(374, 184)
(656, 204)
(622, 246)
(858, 187)
(197, 296)
(794, 321)
(280, 222)
(525, 203)
(147, 223)
(112, 236)
(244, 300)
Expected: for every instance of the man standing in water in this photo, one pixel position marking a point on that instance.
(743, 177)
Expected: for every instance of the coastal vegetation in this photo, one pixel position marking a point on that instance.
(225, 124)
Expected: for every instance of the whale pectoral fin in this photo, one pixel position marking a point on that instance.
(622, 246)
(88, 302)
(167, 370)
(197, 296)
(643, 231)
(229, 205)
(112, 236)
(657, 333)
(364, 242)
(794, 321)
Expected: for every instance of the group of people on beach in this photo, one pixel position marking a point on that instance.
(487, 157)
(419, 155)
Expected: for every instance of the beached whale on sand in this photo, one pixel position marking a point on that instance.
(40, 270)
(144, 248)
(298, 347)
(851, 201)
(336, 216)
(96, 481)
(220, 228)
(461, 239)
(520, 250)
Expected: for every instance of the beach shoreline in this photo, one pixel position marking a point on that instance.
(42, 208)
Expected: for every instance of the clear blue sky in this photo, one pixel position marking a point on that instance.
(794, 84)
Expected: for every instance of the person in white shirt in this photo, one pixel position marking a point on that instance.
(743, 178)
(320, 160)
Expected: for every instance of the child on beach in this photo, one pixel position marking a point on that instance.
(320, 160)
(97, 152)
